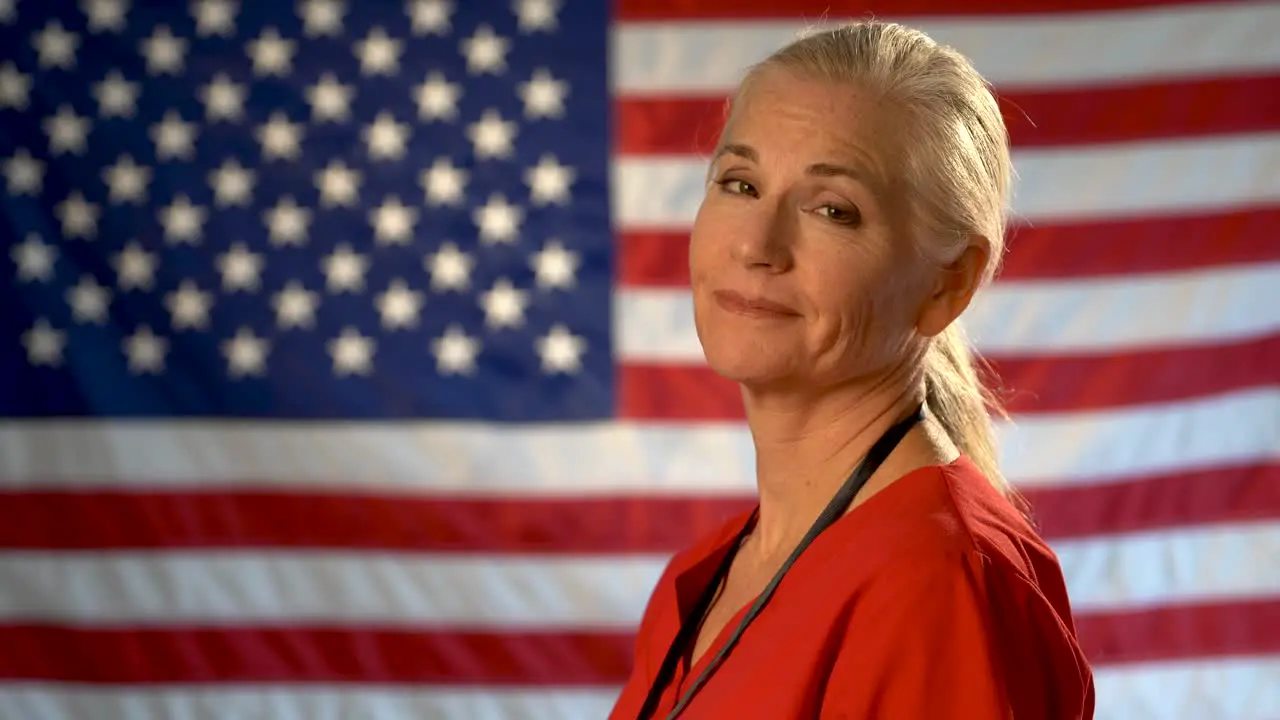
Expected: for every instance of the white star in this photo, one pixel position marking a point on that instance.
(89, 301)
(182, 221)
(174, 138)
(79, 217)
(116, 96)
(44, 344)
(543, 95)
(497, 220)
(165, 53)
(321, 17)
(23, 173)
(536, 15)
(379, 54)
(240, 268)
(126, 181)
(55, 46)
(271, 54)
(105, 15)
(430, 17)
(352, 353)
(386, 138)
(145, 351)
(232, 184)
(330, 99)
(561, 351)
(393, 221)
(246, 354)
(34, 258)
(504, 305)
(492, 136)
(135, 268)
(339, 185)
(215, 17)
(15, 88)
(190, 306)
(455, 352)
(68, 132)
(223, 99)
(443, 183)
(295, 306)
(554, 266)
(485, 51)
(280, 138)
(344, 270)
(437, 97)
(549, 181)
(399, 306)
(450, 268)
(288, 222)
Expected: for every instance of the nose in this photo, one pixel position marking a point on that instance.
(765, 242)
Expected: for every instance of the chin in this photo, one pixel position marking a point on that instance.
(745, 360)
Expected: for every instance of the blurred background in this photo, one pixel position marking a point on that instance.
(347, 367)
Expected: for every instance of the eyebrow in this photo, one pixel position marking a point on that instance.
(822, 169)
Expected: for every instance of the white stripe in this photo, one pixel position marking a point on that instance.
(655, 325)
(1157, 439)
(1223, 689)
(1038, 449)
(1160, 568)
(267, 586)
(1064, 50)
(239, 702)
(662, 192)
(538, 592)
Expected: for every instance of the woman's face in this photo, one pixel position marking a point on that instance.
(803, 272)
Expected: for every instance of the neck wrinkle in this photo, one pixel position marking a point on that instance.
(805, 450)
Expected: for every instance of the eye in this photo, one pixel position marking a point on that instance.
(840, 216)
(738, 187)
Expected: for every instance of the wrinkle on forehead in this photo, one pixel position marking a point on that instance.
(857, 128)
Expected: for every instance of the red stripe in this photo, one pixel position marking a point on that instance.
(814, 10)
(1161, 243)
(1026, 384)
(1240, 494)
(1112, 113)
(1222, 629)
(306, 654)
(90, 520)
(619, 525)
(330, 655)
(1106, 380)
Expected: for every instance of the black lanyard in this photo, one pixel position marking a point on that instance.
(689, 627)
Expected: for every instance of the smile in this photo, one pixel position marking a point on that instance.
(756, 307)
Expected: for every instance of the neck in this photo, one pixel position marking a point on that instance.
(806, 448)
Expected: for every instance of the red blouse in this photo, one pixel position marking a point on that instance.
(933, 599)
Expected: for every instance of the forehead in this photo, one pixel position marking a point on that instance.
(780, 111)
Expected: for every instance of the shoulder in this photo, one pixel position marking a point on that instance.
(939, 541)
(960, 578)
(939, 515)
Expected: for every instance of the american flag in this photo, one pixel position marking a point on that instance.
(349, 368)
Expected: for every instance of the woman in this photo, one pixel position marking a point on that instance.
(855, 203)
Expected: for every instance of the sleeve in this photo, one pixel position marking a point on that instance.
(946, 640)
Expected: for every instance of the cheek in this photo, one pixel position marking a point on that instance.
(860, 310)
(709, 240)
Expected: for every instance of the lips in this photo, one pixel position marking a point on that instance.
(752, 306)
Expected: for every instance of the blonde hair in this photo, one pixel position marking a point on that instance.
(958, 171)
